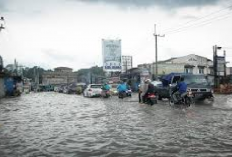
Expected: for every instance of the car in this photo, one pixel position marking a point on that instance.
(113, 89)
(93, 90)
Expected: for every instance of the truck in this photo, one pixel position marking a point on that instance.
(196, 83)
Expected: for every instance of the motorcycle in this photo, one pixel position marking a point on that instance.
(151, 99)
(185, 99)
(105, 93)
(122, 95)
(128, 93)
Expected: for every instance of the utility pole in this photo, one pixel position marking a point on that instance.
(156, 49)
(225, 65)
(215, 65)
(1, 27)
(2, 23)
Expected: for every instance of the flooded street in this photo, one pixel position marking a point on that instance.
(54, 124)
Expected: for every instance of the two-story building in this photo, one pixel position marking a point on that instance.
(60, 75)
(187, 64)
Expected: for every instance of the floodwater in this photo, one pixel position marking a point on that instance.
(60, 125)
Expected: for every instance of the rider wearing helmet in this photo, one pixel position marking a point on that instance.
(181, 88)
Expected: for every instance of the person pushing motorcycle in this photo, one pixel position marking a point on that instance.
(180, 89)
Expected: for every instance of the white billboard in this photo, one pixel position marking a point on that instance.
(111, 50)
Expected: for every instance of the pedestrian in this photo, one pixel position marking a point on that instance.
(139, 95)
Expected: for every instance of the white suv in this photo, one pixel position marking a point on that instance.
(93, 90)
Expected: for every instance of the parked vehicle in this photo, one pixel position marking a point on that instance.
(151, 99)
(93, 90)
(61, 88)
(197, 84)
(56, 89)
(186, 99)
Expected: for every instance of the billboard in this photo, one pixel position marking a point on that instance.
(126, 63)
(220, 65)
(111, 50)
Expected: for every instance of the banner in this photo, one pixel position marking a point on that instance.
(111, 50)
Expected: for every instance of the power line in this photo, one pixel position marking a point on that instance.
(193, 22)
(199, 18)
(206, 22)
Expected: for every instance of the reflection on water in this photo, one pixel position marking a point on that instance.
(53, 124)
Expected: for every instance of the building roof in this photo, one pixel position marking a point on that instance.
(63, 68)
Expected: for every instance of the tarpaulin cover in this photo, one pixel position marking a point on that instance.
(166, 79)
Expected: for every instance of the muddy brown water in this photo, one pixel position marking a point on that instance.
(55, 124)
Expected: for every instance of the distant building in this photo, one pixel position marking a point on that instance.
(60, 75)
(126, 63)
(192, 63)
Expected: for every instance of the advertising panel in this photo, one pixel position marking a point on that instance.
(126, 63)
(220, 65)
(111, 50)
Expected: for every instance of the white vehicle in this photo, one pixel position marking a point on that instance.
(93, 90)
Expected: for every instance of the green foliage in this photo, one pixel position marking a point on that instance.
(93, 70)
(31, 73)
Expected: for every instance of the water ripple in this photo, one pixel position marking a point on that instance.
(54, 124)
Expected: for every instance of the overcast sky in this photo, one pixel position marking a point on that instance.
(52, 33)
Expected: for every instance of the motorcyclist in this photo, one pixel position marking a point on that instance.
(121, 87)
(180, 89)
(150, 89)
(105, 88)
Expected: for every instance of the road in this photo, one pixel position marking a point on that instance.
(55, 124)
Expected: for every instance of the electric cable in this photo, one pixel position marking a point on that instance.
(194, 22)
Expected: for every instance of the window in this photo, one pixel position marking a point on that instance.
(201, 70)
(175, 79)
(188, 70)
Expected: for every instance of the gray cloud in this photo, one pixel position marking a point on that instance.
(2, 6)
(57, 55)
(161, 3)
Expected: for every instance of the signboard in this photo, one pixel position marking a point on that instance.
(114, 80)
(220, 65)
(126, 63)
(111, 50)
